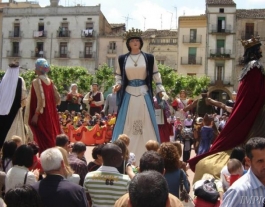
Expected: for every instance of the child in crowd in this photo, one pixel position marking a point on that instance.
(152, 145)
(235, 169)
(17, 140)
(132, 161)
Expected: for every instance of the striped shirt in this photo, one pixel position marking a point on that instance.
(245, 192)
(105, 186)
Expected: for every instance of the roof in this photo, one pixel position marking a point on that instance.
(159, 33)
(250, 13)
(220, 2)
(117, 25)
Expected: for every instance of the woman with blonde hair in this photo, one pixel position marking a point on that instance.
(69, 173)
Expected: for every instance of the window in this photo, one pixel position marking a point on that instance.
(112, 45)
(162, 62)
(220, 46)
(219, 72)
(41, 29)
(193, 33)
(63, 50)
(221, 10)
(111, 62)
(249, 30)
(39, 49)
(63, 30)
(88, 50)
(221, 24)
(192, 55)
(89, 25)
(16, 30)
(15, 49)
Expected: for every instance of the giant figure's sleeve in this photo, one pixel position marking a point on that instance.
(23, 93)
(157, 79)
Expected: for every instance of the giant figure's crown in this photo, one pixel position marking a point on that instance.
(251, 42)
(132, 33)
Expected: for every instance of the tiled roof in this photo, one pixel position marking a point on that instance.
(117, 25)
(220, 2)
(159, 33)
(250, 13)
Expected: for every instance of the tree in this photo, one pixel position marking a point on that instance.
(104, 76)
(173, 82)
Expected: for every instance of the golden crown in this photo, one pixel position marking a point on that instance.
(132, 33)
(251, 42)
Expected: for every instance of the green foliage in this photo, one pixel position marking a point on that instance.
(104, 76)
(173, 83)
(28, 77)
(2, 73)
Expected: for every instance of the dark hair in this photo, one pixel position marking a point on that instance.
(128, 40)
(61, 140)
(112, 155)
(24, 196)
(23, 156)
(79, 147)
(97, 151)
(8, 151)
(238, 153)
(254, 143)
(148, 189)
(34, 147)
(252, 53)
(151, 160)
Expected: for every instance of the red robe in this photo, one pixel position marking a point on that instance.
(250, 99)
(48, 126)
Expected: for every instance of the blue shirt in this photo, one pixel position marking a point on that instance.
(246, 191)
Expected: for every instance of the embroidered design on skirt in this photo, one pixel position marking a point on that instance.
(138, 127)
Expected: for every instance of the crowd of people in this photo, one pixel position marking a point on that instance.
(141, 167)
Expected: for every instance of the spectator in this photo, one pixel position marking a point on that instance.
(54, 189)
(250, 186)
(23, 196)
(62, 140)
(173, 169)
(36, 160)
(150, 160)
(96, 154)
(8, 151)
(152, 145)
(19, 173)
(235, 169)
(106, 184)
(17, 140)
(75, 161)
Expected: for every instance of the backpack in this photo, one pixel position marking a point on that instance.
(207, 191)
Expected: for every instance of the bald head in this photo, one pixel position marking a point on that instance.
(112, 155)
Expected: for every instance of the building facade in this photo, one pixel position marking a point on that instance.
(221, 42)
(65, 36)
(192, 45)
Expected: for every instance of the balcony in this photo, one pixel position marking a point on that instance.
(40, 54)
(247, 35)
(218, 29)
(11, 54)
(220, 82)
(191, 60)
(39, 34)
(88, 33)
(164, 41)
(220, 53)
(62, 55)
(111, 50)
(188, 39)
(63, 34)
(15, 34)
(82, 54)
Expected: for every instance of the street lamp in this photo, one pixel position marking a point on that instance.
(224, 95)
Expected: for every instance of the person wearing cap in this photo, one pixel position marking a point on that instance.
(94, 99)
(110, 106)
(247, 118)
(134, 76)
(43, 117)
(13, 96)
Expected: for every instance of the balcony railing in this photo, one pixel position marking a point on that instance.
(82, 54)
(63, 33)
(61, 55)
(219, 29)
(38, 54)
(15, 34)
(88, 33)
(191, 60)
(111, 50)
(220, 53)
(39, 34)
(14, 54)
(188, 39)
(221, 81)
(246, 36)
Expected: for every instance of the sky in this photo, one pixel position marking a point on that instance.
(150, 14)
